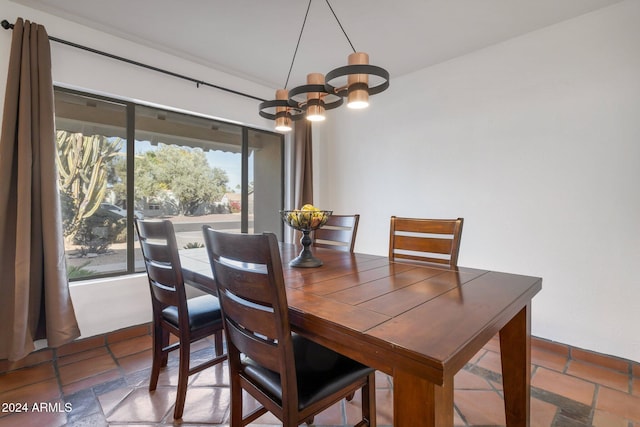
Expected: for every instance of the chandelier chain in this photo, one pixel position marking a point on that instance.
(304, 22)
(340, 24)
(295, 52)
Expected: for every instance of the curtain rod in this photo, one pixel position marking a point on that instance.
(8, 26)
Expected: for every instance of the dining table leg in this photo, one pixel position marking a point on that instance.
(420, 403)
(515, 354)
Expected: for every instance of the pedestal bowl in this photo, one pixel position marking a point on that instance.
(305, 221)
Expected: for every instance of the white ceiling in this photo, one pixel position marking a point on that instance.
(256, 39)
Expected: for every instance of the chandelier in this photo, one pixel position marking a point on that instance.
(326, 92)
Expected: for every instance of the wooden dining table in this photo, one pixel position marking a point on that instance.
(418, 323)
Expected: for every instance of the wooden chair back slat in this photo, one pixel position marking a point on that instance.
(425, 240)
(434, 245)
(164, 294)
(264, 352)
(164, 270)
(255, 310)
(338, 233)
(434, 226)
(156, 250)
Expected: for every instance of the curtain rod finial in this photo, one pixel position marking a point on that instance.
(6, 25)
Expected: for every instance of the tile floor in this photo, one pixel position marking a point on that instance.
(103, 381)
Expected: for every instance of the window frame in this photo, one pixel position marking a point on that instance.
(130, 111)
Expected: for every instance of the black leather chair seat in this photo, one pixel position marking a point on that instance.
(320, 372)
(204, 311)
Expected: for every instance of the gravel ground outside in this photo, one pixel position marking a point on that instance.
(188, 230)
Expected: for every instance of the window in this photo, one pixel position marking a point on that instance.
(193, 170)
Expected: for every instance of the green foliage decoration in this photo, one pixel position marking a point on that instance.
(83, 166)
(78, 272)
(194, 245)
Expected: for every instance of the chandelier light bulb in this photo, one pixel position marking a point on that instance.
(358, 84)
(283, 117)
(357, 105)
(283, 125)
(316, 116)
(315, 101)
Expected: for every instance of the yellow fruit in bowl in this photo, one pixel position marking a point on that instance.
(293, 219)
(306, 218)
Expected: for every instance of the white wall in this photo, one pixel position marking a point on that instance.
(536, 143)
(107, 305)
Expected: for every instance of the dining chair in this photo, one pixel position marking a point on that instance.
(426, 240)
(339, 232)
(290, 376)
(189, 320)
